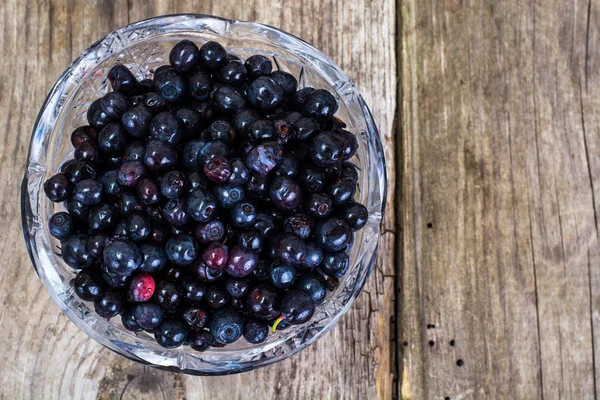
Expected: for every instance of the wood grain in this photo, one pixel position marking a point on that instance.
(48, 357)
(500, 139)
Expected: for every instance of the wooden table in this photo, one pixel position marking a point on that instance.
(488, 280)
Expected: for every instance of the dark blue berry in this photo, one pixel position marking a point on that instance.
(83, 134)
(182, 249)
(266, 225)
(60, 225)
(260, 130)
(239, 172)
(251, 240)
(258, 65)
(300, 98)
(78, 211)
(148, 316)
(335, 264)
(184, 56)
(299, 224)
(195, 317)
(201, 340)
(287, 82)
(96, 116)
(200, 85)
(305, 129)
(128, 320)
(221, 130)
(190, 121)
(170, 84)
(227, 100)
(122, 80)
(241, 262)
(167, 295)
(136, 121)
(282, 275)
(138, 227)
(192, 291)
(78, 171)
(114, 280)
(258, 187)
(131, 172)
(297, 307)
(129, 204)
(314, 285)
(326, 149)
(122, 257)
(172, 184)
(264, 157)
(233, 73)
(212, 231)
(264, 302)
(217, 169)
(88, 192)
(228, 195)
(341, 190)
(58, 187)
(217, 298)
(289, 248)
(212, 55)
(265, 94)
(256, 331)
(212, 149)
(135, 151)
(110, 304)
(201, 205)
(190, 154)
(320, 105)
(103, 218)
(171, 334)
(243, 215)
(88, 285)
(285, 193)
(332, 234)
(205, 273)
(114, 105)
(110, 183)
(153, 256)
(243, 119)
(88, 152)
(355, 215)
(148, 191)
(226, 326)
(96, 244)
(313, 256)
(166, 127)
(155, 103)
(237, 287)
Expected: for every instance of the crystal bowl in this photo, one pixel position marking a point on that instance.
(143, 46)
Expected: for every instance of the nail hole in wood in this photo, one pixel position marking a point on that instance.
(405, 344)
(460, 363)
(431, 343)
(452, 342)
(430, 326)
(447, 398)
(429, 225)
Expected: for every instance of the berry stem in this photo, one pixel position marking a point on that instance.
(274, 328)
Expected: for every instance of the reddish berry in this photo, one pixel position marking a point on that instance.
(215, 256)
(141, 288)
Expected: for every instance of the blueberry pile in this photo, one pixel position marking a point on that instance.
(211, 202)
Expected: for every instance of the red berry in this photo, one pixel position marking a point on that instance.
(141, 288)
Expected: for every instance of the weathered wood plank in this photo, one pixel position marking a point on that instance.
(500, 142)
(46, 356)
